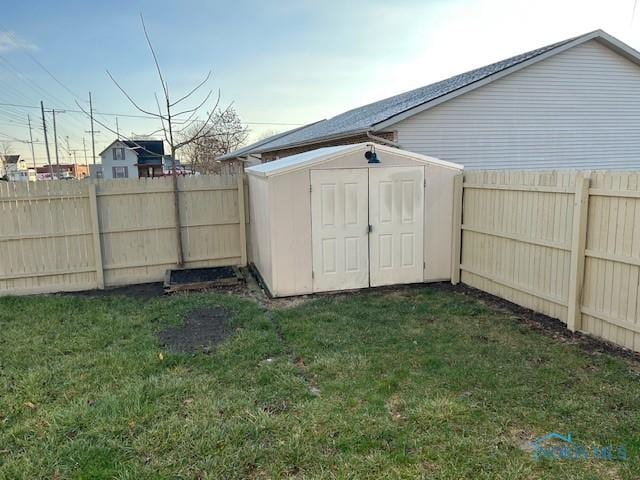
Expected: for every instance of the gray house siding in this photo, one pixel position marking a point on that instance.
(108, 162)
(577, 109)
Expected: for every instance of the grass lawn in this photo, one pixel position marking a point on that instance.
(419, 383)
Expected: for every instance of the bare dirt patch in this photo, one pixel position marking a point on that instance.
(523, 439)
(202, 330)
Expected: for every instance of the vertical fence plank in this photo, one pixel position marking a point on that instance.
(457, 229)
(578, 245)
(243, 224)
(95, 228)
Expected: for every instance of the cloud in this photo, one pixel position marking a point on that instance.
(10, 42)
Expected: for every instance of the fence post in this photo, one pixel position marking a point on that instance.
(95, 228)
(456, 238)
(578, 245)
(242, 219)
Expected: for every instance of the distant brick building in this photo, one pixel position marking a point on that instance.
(68, 170)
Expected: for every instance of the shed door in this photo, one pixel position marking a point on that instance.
(396, 211)
(339, 225)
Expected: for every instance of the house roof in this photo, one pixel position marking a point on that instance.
(383, 113)
(321, 155)
(11, 159)
(144, 149)
(147, 148)
(250, 148)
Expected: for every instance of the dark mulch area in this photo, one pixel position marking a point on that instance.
(198, 275)
(149, 291)
(143, 291)
(537, 321)
(202, 330)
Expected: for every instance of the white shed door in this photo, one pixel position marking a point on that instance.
(339, 224)
(396, 211)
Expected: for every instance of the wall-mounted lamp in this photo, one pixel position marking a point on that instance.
(371, 155)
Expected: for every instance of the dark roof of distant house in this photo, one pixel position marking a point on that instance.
(144, 149)
(370, 117)
(11, 158)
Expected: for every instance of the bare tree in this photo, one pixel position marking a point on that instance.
(175, 120)
(5, 149)
(225, 134)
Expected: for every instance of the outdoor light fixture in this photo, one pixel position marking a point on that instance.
(371, 155)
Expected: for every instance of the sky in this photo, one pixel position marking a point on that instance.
(278, 63)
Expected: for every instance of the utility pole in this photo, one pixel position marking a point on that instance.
(93, 141)
(74, 165)
(117, 129)
(68, 148)
(55, 139)
(84, 148)
(46, 142)
(33, 155)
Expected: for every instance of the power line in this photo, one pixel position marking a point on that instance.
(39, 90)
(37, 62)
(33, 85)
(128, 115)
(51, 74)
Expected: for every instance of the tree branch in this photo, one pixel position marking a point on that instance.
(198, 135)
(131, 99)
(114, 132)
(164, 128)
(199, 106)
(193, 90)
(165, 87)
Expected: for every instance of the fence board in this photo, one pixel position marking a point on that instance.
(519, 235)
(48, 240)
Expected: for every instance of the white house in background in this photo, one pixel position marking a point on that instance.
(130, 159)
(14, 168)
(573, 104)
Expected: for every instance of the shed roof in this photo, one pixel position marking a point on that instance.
(322, 155)
(378, 115)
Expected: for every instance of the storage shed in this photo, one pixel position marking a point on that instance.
(351, 216)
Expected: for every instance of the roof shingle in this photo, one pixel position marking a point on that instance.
(368, 116)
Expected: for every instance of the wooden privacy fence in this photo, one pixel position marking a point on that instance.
(79, 235)
(566, 244)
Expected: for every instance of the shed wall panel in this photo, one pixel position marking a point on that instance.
(438, 226)
(291, 227)
(260, 228)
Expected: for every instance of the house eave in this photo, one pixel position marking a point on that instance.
(251, 149)
(326, 138)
